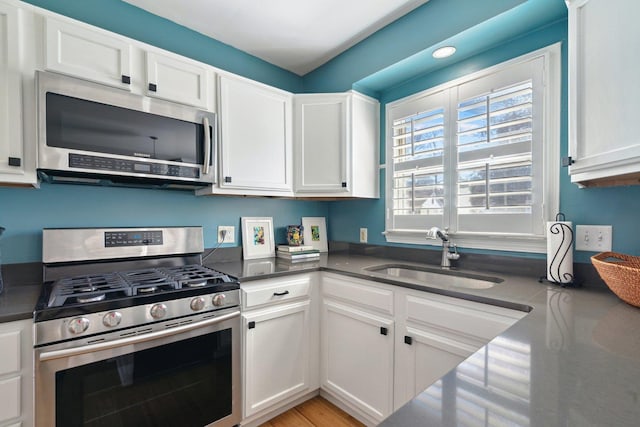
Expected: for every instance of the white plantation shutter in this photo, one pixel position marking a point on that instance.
(498, 152)
(417, 154)
(470, 156)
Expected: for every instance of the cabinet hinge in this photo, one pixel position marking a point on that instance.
(408, 340)
(252, 325)
(344, 185)
(126, 79)
(567, 161)
(15, 161)
(383, 330)
(227, 179)
(153, 87)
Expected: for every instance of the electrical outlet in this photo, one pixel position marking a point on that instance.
(594, 238)
(229, 237)
(363, 235)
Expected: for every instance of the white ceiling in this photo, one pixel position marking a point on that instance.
(297, 35)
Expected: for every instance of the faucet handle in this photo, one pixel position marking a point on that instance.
(432, 233)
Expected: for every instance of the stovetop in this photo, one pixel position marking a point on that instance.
(144, 282)
(89, 293)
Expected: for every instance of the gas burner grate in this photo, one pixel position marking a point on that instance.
(194, 276)
(133, 283)
(94, 287)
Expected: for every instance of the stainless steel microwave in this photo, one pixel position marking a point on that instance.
(95, 134)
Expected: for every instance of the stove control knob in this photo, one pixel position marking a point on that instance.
(197, 304)
(78, 325)
(158, 311)
(111, 319)
(218, 300)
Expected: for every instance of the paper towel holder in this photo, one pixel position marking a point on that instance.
(566, 231)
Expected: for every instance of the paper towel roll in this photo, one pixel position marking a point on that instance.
(559, 251)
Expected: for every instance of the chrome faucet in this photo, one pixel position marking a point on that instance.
(447, 246)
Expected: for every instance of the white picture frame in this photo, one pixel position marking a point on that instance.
(257, 238)
(315, 232)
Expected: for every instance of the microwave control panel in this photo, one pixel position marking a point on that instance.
(82, 161)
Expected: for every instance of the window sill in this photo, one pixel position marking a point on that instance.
(495, 242)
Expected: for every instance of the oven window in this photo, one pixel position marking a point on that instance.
(185, 383)
(79, 124)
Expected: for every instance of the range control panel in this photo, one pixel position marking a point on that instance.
(83, 161)
(132, 238)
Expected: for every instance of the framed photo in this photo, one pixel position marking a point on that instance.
(257, 238)
(315, 232)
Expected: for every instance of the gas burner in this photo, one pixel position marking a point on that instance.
(95, 298)
(195, 284)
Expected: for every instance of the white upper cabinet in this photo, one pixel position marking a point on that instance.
(255, 137)
(603, 92)
(94, 54)
(88, 53)
(17, 162)
(178, 80)
(336, 145)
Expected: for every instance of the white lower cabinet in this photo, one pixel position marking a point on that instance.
(16, 373)
(276, 362)
(357, 358)
(357, 345)
(369, 346)
(436, 333)
(280, 343)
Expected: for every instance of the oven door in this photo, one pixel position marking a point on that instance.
(184, 376)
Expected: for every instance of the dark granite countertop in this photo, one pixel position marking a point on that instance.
(573, 360)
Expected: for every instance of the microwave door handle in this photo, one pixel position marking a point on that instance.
(207, 146)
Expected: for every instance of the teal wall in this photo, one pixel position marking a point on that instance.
(617, 206)
(390, 64)
(25, 212)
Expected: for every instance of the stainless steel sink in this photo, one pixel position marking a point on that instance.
(435, 276)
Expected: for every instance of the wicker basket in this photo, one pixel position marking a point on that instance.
(621, 273)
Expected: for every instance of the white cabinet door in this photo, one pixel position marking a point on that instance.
(255, 133)
(336, 146)
(276, 355)
(322, 135)
(88, 53)
(422, 358)
(357, 358)
(12, 160)
(436, 333)
(16, 372)
(604, 92)
(177, 80)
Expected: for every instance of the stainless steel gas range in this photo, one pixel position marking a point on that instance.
(131, 330)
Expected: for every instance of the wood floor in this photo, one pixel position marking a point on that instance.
(316, 412)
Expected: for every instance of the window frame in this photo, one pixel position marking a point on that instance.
(551, 116)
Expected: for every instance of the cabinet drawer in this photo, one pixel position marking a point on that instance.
(273, 291)
(10, 398)
(360, 292)
(474, 319)
(10, 345)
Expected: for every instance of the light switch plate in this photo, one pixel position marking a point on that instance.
(594, 238)
(230, 237)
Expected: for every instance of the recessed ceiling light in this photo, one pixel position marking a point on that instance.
(443, 52)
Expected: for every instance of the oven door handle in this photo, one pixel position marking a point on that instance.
(68, 352)
(207, 146)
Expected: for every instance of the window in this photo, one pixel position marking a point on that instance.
(478, 155)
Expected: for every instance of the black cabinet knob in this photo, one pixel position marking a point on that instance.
(15, 161)
(252, 325)
(383, 330)
(408, 340)
(126, 79)
(153, 87)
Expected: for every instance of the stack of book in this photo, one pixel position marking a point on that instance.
(298, 253)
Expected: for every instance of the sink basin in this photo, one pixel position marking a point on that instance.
(435, 276)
